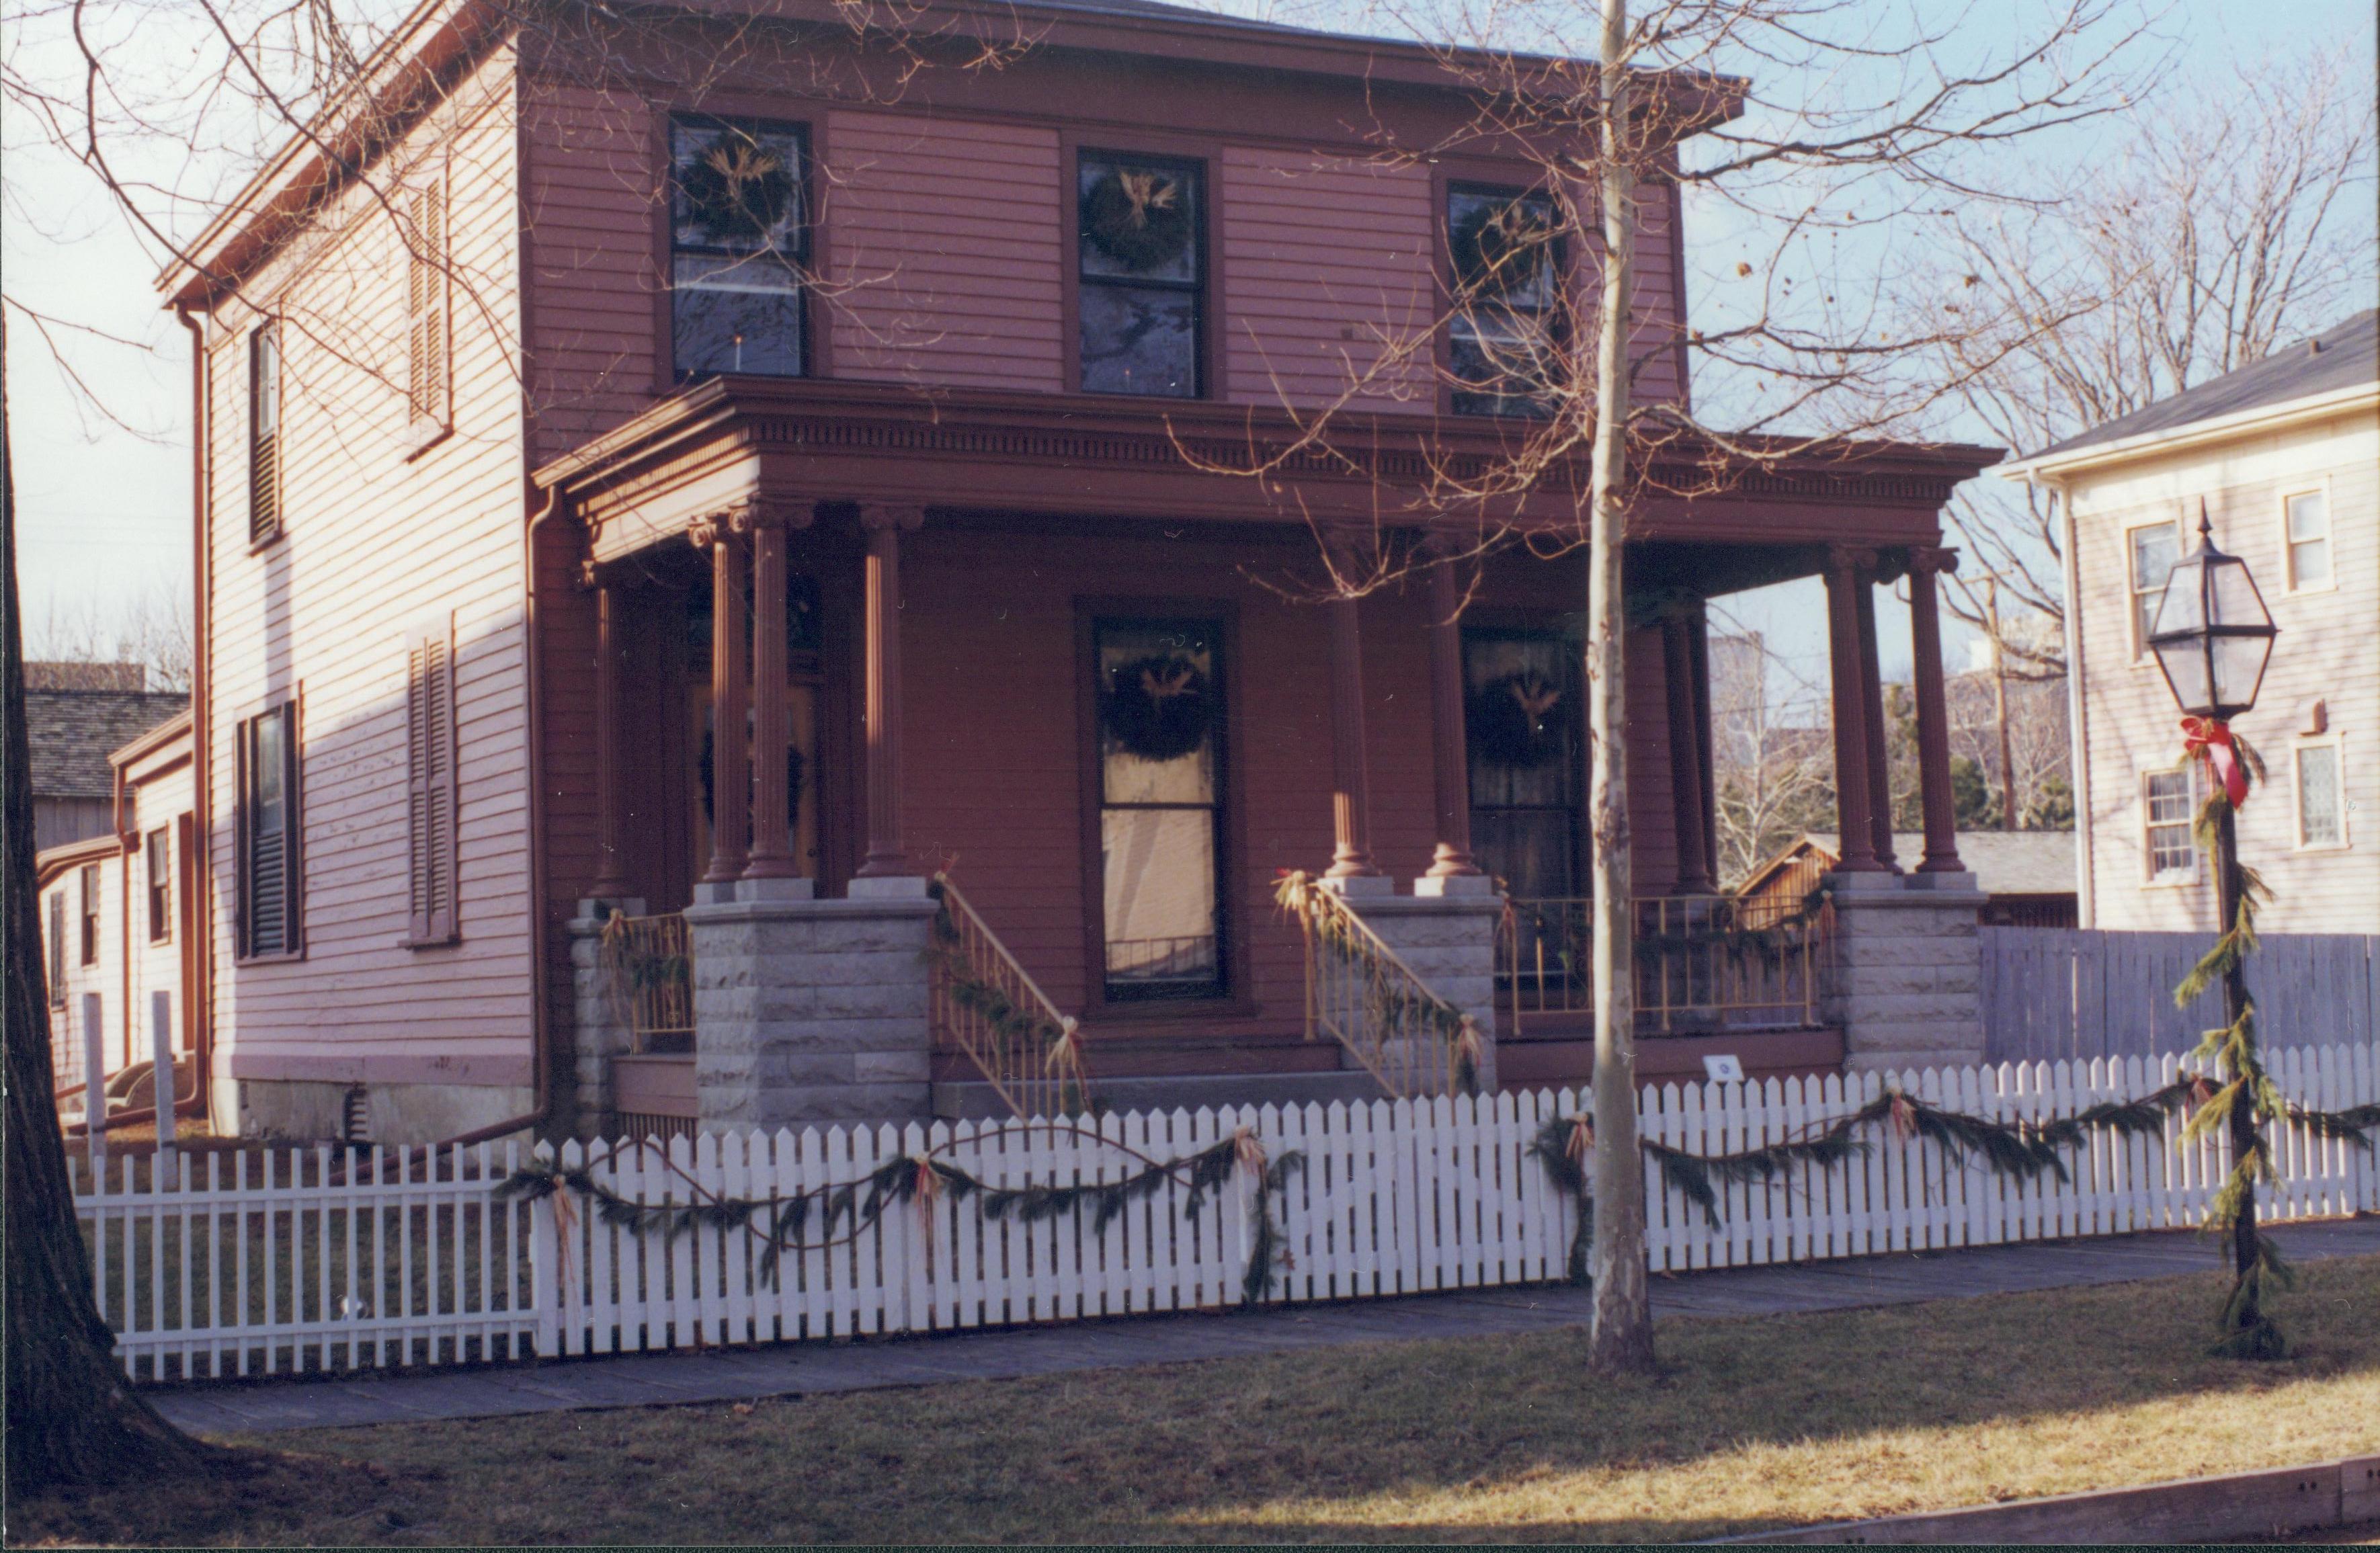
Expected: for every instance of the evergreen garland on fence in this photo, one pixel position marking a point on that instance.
(826, 1216)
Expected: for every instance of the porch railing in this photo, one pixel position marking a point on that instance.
(1705, 964)
(651, 964)
(986, 1007)
(1362, 994)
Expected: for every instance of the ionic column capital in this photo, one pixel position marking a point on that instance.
(1933, 559)
(1845, 558)
(894, 516)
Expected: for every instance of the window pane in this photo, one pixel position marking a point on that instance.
(2306, 516)
(268, 772)
(2309, 563)
(1502, 246)
(737, 316)
(1137, 339)
(2155, 550)
(2318, 816)
(1157, 709)
(1138, 219)
(1519, 719)
(265, 388)
(1159, 897)
(735, 189)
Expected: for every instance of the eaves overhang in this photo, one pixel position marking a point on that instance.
(2060, 468)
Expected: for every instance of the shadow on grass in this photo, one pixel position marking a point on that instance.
(1760, 1422)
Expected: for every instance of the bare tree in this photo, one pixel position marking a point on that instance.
(1772, 760)
(2222, 220)
(152, 633)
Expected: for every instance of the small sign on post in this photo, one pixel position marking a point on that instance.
(1726, 1068)
(95, 1091)
(160, 1069)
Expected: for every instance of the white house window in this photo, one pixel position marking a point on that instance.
(2309, 521)
(2322, 813)
(2155, 547)
(2165, 809)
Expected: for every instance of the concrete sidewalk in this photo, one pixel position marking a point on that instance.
(795, 1369)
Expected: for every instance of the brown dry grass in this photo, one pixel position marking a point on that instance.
(1754, 1423)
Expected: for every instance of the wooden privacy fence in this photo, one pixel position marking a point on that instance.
(2079, 993)
(1395, 1197)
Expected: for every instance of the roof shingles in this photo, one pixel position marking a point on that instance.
(74, 732)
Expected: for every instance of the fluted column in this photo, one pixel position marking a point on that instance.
(1846, 576)
(887, 858)
(611, 868)
(1351, 801)
(1879, 759)
(1933, 713)
(1449, 753)
(772, 847)
(1694, 876)
(731, 779)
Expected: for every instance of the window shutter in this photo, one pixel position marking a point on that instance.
(57, 948)
(264, 433)
(429, 780)
(425, 309)
(292, 834)
(243, 844)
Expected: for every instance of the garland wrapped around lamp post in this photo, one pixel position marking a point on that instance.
(838, 1213)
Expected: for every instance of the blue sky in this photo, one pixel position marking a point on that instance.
(104, 498)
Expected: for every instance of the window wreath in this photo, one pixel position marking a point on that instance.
(1500, 247)
(736, 189)
(1138, 216)
(796, 767)
(1519, 721)
(1157, 707)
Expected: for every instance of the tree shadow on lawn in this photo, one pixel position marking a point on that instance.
(1756, 1422)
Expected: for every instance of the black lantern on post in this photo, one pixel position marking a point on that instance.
(2211, 634)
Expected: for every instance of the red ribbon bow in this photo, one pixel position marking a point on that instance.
(2209, 739)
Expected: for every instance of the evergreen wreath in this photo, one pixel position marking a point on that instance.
(736, 189)
(1499, 248)
(795, 769)
(1157, 707)
(824, 1216)
(1518, 720)
(1138, 216)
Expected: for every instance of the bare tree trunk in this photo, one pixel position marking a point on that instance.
(71, 1419)
(1622, 1337)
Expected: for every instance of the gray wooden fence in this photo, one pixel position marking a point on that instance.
(2053, 992)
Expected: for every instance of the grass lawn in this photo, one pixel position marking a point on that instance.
(1754, 1423)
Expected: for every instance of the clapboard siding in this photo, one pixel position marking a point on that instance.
(944, 236)
(2327, 651)
(373, 539)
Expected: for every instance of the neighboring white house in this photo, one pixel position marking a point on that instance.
(2285, 455)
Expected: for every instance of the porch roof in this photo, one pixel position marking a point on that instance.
(730, 443)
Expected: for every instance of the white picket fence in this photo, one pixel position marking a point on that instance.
(1397, 1197)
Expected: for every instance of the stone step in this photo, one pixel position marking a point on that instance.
(976, 1100)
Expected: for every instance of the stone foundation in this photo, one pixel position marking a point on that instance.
(1446, 933)
(313, 1110)
(812, 1011)
(1905, 981)
(599, 1027)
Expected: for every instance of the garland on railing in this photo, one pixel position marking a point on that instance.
(1773, 944)
(1397, 1001)
(786, 1223)
(628, 972)
(1060, 1042)
(2023, 1149)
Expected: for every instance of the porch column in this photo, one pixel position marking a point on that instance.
(884, 524)
(1879, 760)
(772, 848)
(1447, 746)
(611, 874)
(1933, 714)
(1685, 755)
(1846, 577)
(1350, 802)
(731, 777)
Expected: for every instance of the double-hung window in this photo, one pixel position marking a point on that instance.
(2154, 548)
(158, 863)
(1141, 256)
(1504, 261)
(269, 864)
(264, 433)
(2321, 808)
(739, 247)
(1160, 805)
(2167, 804)
(86, 886)
(2308, 515)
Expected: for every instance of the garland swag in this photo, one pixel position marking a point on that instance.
(1157, 707)
(825, 1216)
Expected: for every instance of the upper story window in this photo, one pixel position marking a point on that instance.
(739, 247)
(2308, 515)
(1142, 265)
(264, 433)
(2154, 548)
(1503, 258)
(2322, 814)
(2168, 799)
(429, 377)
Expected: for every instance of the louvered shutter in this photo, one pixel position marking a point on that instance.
(429, 781)
(425, 308)
(264, 433)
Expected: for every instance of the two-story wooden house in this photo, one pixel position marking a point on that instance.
(567, 399)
